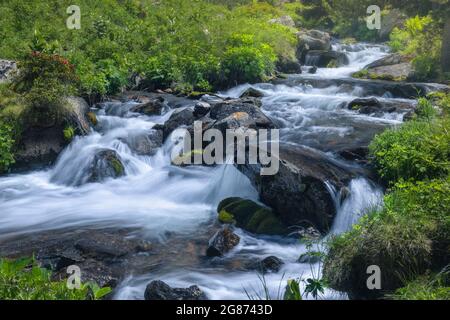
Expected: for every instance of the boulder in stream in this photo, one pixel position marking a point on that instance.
(300, 192)
(268, 264)
(312, 40)
(105, 164)
(250, 216)
(159, 290)
(394, 67)
(326, 59)
(379, 107)
(222, 242)
(152, 107)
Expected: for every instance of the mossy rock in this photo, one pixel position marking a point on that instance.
(250, 216)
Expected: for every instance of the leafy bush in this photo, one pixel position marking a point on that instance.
(23, 279)
(418, 150)
(6, 146)
(420, 39)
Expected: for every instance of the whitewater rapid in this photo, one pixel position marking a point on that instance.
(158, 198)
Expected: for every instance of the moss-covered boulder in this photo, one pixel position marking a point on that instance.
(106, 164)
(250, 216)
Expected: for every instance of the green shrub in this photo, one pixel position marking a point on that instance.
(23, 279)
(420, 39)
(6, 147)
(418, 150)
(405, 238)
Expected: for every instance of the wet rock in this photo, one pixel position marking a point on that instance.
(7, 70)
(151, 107)
(159, 290)
(299, 192)
(312, 40)
(269, 264)
(251, 216)
(379, 107)
(201, 109)
(222, 242)
(179, 118)
(105, 164)
(393, 67)
(92, 248)
(312, 70)
(225, 109)
(289, 65)
(146, 144)
(309, 233)
(41, 143)
(252, 92)
(326, 59)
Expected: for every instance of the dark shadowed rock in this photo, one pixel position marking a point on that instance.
(225, 109)
(201, 109)
(151, 108)
(310, 258)
(222, 242)
(312, 40)
(252, 92)
(269, 264)
(299, 192)
(324, 59)
(179, 118)
(40, 144)
(159, 290)
(145, 144)
(379, 107)
(289, 65)
(105, 164)
(251, 216)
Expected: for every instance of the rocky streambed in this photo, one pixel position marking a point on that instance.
(116, 205)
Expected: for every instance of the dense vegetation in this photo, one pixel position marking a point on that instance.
(23, 279)
(409, 237)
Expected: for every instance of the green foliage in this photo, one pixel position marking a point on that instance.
(418, 150)
(226, 217)
(292, 291)
(6, 147)
(175, 43)
(428, 287)
(69, 133)
(23, 279)
(420, 39)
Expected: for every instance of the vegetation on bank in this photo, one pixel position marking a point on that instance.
(409, 237)
(23, 279)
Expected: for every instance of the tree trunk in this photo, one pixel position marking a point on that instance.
(445, 55)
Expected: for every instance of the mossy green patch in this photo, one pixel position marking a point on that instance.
(117, 166)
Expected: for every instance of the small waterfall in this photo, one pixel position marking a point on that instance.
(353, 202)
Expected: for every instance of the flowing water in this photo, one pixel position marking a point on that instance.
(160, 199)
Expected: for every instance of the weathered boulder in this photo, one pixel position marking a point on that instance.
(159, 290)
(179, 118)
(252, 92)
(299, 193)
(312, 40)
(326, 59)
(310, 258)
(288, 65)
(222, 242)
(105, 164)
(151, 107)
(7, 70)
(41, 143)
(394, 67)
(145, 144)
(201, 109)
(251, 216)
(226, 108)
(378, 107)
(269, 264)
